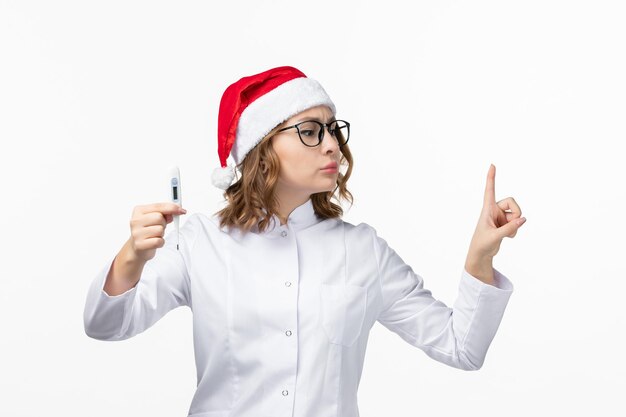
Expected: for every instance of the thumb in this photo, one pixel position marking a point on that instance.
(510, 229)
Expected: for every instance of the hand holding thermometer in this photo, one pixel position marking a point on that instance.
(176, 197)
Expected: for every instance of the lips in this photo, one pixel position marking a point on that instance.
(332, 165)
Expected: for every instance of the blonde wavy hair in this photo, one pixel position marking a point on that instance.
(254, 189)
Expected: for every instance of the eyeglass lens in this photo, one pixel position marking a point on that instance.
(310, 132)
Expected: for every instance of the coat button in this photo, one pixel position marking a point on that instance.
(283, 233)
(288, 284)
(288, 332)
(285, 392)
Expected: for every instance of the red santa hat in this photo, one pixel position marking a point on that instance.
(251, 107)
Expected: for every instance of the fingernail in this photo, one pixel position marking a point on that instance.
(183, 211)
(521, 220)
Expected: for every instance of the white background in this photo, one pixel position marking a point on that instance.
(97, 99)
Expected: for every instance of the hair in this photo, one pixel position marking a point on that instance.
(254, 190)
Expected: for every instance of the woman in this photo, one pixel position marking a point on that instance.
(283, 291)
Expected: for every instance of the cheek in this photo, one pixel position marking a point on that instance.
(295, 163)
(297, 169)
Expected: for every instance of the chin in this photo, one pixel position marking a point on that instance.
(330, 187)
(327, 184)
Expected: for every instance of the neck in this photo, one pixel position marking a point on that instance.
(287, 203)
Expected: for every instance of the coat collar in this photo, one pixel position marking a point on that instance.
(300, 218)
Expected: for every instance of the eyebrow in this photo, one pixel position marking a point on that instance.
(332, 118)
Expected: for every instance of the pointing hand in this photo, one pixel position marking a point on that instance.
(494, 223)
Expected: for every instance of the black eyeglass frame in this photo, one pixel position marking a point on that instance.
(320, 135)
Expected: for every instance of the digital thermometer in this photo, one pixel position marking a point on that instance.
(176, 197)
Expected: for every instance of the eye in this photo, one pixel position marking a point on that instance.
(333, 128)
(306, 132)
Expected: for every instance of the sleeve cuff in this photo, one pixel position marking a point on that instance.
(479, 309)
(107, 317)
(501, 283)
(103, 279)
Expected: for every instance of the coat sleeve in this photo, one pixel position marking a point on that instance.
(164, 285)
(457, 336)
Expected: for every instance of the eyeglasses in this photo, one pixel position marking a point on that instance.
(311, 132)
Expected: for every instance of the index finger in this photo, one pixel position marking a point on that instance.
(163, 208)
(490, 188)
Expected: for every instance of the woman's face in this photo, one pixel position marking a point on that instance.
(301, 167)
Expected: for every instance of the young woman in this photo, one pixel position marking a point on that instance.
(283, 291)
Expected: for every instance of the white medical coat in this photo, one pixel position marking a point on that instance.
(281, 319)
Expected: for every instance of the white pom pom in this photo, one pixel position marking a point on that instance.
(222, 177)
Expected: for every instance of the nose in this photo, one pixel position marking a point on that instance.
(329, 143)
